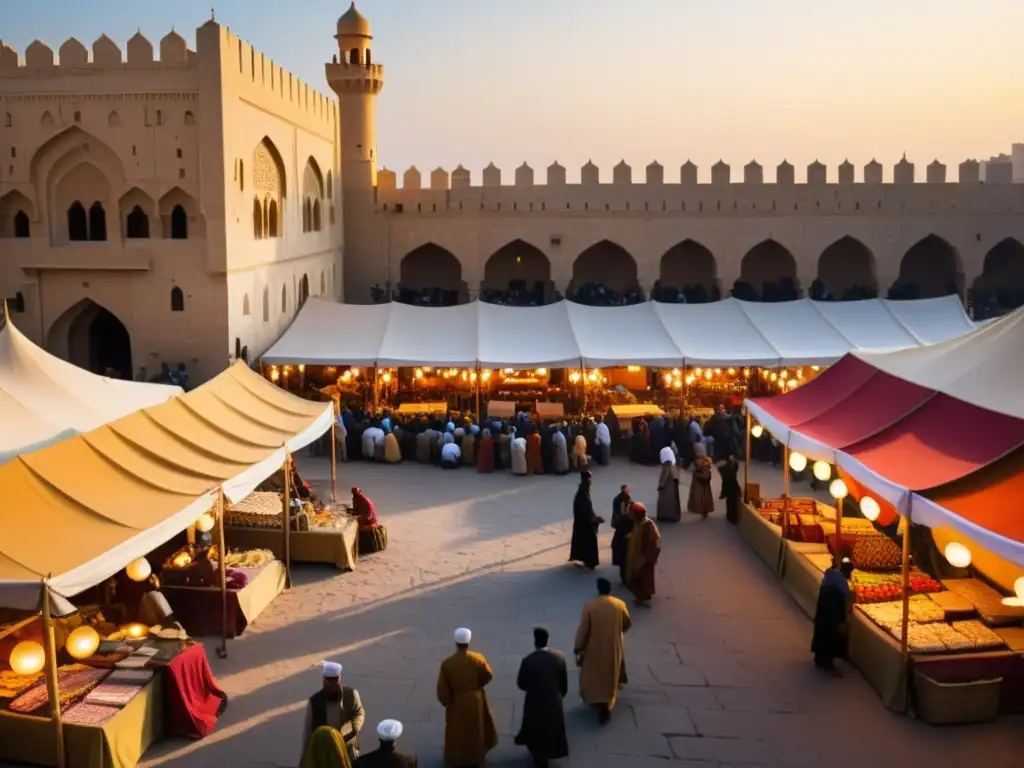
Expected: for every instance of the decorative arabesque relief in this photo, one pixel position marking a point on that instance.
(268, 183)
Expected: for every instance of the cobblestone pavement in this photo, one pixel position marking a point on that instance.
(719, 666)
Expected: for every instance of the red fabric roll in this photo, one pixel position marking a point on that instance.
(193, 699)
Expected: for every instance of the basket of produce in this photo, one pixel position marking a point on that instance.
(940, 703)
(876, 552)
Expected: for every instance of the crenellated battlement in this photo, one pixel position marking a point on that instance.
(721, 174)
(73, 57)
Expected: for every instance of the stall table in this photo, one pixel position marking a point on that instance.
(334, 546)
(198, 609)
(761, 536)
(412, 409)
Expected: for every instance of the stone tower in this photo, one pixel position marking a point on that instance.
(357, 81)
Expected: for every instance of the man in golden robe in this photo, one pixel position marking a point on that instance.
(600, 650)
(469, 730)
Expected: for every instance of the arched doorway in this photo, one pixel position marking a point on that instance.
(303, 289)
(931, 268)
(92, 337)
(846, 272)
(688, 273)
(605, 274)
(431, 276)
(767, 273)
(518, 274)
(1000, 286)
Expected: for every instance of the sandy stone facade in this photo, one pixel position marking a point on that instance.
(163, 205)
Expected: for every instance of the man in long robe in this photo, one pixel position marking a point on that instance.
(622, 524)
(534, 466)
(560, 452)
(830, 616)
(336, 706)
(600, 650)
(583, 547)
(602, 442)
(469, 730)
(544, 678)
(485, 453)
(642, 554)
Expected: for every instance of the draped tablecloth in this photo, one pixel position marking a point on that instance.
(193, 699)
(333, 546)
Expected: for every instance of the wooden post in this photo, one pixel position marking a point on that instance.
(287, 522)
(746, 462)
(478, 391)
(583, 381)
(373, 410)
(52, 688)
(785, 476)
(906, 581)
(334, 454)
(222, 567)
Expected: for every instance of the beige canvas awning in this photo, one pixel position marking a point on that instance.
(82, 509)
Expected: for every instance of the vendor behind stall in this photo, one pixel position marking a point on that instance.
(830, 616)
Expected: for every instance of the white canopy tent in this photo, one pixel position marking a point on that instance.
(44, 399)
(723, 333)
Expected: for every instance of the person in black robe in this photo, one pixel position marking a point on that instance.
(829, 641)
(583, 548)
(545, 679)
(547, 448)
(637, 451)
(658, 440)
(622, 523)
(731, 491)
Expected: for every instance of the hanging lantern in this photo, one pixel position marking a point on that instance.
(869, 508)
(797, 462)
(82, 643)
(958, 555)
(668, 379)
(27, 658)
(822, 471)
(838, 490)
(205, 522)
(542, 371)
(757, 430)
(386, 377)
(139, 570)
(302, 368)
(136, 631)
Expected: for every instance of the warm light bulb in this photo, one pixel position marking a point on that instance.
(419, 374)
(302, 368)
(958, 555)
(791, 383)
(707, 375)
(542, 371)
(135, 631)
(82, 643)
(822, 471)
(387, 377)
(139, 570)
(774, 376)
(869, 508)
(732, 371)
(486, 375)
(355, 371)
(757, 430)
(679, 384)
(815, 367)
(838, 489)
(1018, 587)
(668, 379)
(205, 523)
(698, 371)
(27, 658)
(797, 462)
(275, 375)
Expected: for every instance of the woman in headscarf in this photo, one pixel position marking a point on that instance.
(622, 524)
(669, 507)
(534, 464)
(326, 749)
(701, 501)
(392, 450)
(559, 453)
(518, 456)
(642, 554)
(829, 639)
(373, 537)
(579, 452)
(731, 491)
(485, 453)
(583, 548)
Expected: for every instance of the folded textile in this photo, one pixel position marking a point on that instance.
(193, 699)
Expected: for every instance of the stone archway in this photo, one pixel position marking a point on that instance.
(92, 337)
(688, 270)
(846, 272)
(605, 273)
(431, 275)
(768, 273)
(518, 273)
(1000, 286)
(931, 268)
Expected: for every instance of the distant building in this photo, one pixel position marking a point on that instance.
(1005, 168)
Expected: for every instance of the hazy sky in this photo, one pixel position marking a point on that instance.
(473, 81)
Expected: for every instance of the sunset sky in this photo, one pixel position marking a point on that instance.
(474, 81)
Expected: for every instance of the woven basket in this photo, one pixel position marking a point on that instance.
(956, 703)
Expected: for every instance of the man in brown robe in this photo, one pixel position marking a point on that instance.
(642, 553)
(600, 650)
(469, 730)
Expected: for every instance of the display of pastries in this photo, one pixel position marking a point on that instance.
(12, 684)
(876, 552)
(253, 558)
(980, 635)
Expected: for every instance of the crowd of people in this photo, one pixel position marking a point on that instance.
(689, 294)
(422, 297)
(599, 295)
(178, 376)
(784, 289)
(518, 295)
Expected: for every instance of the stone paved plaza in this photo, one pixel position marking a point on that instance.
(719, 667)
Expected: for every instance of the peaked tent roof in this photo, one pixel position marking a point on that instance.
(44, 399)
(82, 509)
(729, 332)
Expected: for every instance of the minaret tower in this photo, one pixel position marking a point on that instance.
(357, 81)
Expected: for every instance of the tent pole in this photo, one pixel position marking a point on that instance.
(334, 454)
(746, 461)
(287, 521)
(583, 380)
(906, 580)
(52, 690)
(373, 410)
(478, 391)
(222, 546)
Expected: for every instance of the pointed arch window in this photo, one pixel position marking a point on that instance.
(179, 223)
(307, 217)
(21, 225)
(97, 222)
(353, 56)
(272, 219)
(177, 299)
(137, 224)
(245, 305)
(78, 222)
(316, 215)
(190, 119)
(266, 304)
(323, 283)
(257, 219)
(284, 299)
(330, 186)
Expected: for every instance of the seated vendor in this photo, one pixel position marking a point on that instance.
(373, 537)
(299, 488)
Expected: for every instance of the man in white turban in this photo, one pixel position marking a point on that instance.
(387, 756)
(336, 706)
(469, 730)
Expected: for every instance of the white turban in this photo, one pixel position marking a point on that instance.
(463, 636)
(330, 669)
(389, 730)
(668, 455)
